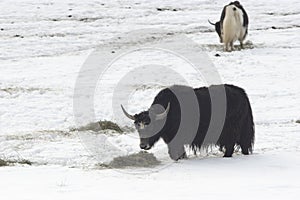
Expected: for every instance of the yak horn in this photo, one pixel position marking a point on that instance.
(211, 22)
(164, 114)
(127, 114)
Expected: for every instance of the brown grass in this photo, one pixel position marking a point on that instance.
(141, 159)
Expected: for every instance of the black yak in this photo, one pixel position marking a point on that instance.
(233, 25)
(237, 129)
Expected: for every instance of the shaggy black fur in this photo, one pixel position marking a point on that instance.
(238, 128)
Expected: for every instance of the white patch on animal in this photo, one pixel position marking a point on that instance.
(141, 125)
(232, 27)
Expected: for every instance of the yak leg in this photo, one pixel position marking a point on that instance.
(231, 46)
(226, 47)
(177, 152)
(229, 150)
(245, 151)
(241, 44)
(246, 136)
(245, 146)
(183, 156)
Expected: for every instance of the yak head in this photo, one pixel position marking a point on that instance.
(149, 124)
(217, 28)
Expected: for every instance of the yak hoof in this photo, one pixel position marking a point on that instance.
(183, 156)
(245, 152)
(178, 156)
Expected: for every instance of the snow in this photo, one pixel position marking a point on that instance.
(260, 176)
(43, 46)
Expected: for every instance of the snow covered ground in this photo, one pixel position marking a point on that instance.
(43, 46)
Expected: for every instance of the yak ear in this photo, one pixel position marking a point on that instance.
(164, 114)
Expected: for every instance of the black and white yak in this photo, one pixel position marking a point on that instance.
(233, 25)
(237, 129)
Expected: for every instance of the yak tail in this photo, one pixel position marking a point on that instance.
(211, 22)
(248, 131)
